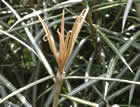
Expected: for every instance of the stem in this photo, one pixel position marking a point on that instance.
(90, 21)
(59, 81)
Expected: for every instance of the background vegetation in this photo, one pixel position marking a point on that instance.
(102, 70)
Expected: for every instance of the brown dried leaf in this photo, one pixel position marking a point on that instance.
(75, 31)
(61, 48)
(67, 41)
(62, 24)
(50, 39)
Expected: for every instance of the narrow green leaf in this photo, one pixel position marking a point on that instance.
(80, 100)
(104, 79)
(15, 92)
(127, 9)
(112, 46)
(131, 92)
(20, 41)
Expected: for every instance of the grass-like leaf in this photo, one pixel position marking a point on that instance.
(16, 92)
(131, 92)
(80, 101)
(127, 9)
(113, 47)
(18, 40)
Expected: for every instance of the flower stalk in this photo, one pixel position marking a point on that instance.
(65, 48)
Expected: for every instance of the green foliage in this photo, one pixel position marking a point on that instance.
(138, 1)
(98, 70)
(10, 21)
